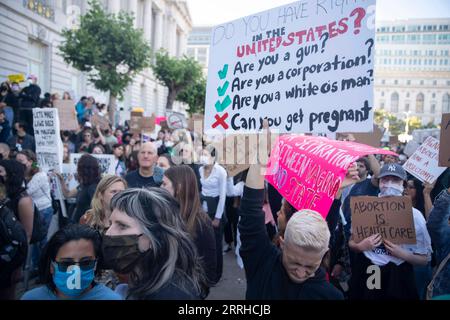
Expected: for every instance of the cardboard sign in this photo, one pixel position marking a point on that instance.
(49, 148)
(148, 124)
(308, 171)
(176, 120)
(135, 122)
(237, 152)
(102, 121)
(196, 123)
(423, 164)
(370, 138)
(107, 162)
(16, 78)
(306, 67)
(391, 217)
(67, 114)
(393, 140)
(444, 149)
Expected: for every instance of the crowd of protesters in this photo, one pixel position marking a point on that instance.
(158, 230)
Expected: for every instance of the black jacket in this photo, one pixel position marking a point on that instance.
(30, 96)
(5, 131)
(265, 273)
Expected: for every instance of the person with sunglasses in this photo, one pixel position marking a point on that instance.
(68, 266)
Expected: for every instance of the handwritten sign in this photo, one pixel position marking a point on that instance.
(423, 164)
(148, 124)
(308, 171)
(49, 149)
(306, 67)
(176, 120)
(135, 122)
(67, 114)
(99, 120)
(391, 217)
(16, 78)
(107, 162)
(444, 149)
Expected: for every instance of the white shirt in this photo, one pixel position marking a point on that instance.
(381, 257)
(39, 190)
(215, 186)
(234, 190)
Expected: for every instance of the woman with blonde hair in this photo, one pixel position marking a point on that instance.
(98, 216)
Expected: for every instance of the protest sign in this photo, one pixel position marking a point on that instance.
(196, 122)
(16, 78)
(107, 162)
(100, 120)
(67, 114)
(444, 149)
(176, 120)
(391, 217)
(148, 124)
(237, 152)
(49, 149)
(308, 171)
(135, 122)
(423, 164)
(372, 139)
(393, 141)
(305, 66)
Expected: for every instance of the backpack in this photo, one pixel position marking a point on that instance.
(13, 241)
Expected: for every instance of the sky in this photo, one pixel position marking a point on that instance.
(214, 12)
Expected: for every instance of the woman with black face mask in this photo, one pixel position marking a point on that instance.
(148, 241)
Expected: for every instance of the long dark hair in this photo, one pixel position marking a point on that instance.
(15, 177)
(172, 257)
(185, 187)
(419, 202)
(88, 170)
(72, 232)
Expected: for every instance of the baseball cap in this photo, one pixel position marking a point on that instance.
(393, 169)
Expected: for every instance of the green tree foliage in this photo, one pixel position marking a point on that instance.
(396, 126)
(176, 74)
(108, 48)
(194, 95)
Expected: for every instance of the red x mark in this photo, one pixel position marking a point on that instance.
(221, 121)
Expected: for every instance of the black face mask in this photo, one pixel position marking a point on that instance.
(121, 253)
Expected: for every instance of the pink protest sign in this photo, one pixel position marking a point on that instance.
(308, 171)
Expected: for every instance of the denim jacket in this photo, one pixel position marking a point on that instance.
(439, 229)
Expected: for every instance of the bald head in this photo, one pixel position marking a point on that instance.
(147, 155)
(4, 151)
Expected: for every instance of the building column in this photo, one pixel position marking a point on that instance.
(133, 6)
(159, 30)
(114, 6)
(183, 43)
(172, 37)
(148, 20)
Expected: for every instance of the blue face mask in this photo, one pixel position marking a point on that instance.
(73, 281)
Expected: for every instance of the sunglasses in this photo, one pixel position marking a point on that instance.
(84, 265)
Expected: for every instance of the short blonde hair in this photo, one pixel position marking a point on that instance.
(309, 230)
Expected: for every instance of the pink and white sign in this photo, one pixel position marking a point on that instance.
(423, 164)
(308, 171)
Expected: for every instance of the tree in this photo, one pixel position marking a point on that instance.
(396, 126)
(194, 95)
(108, 48)
(414, 123)
(176, 74)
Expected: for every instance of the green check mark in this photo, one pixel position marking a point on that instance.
(223, 73)
(221, 90)
(220, 106)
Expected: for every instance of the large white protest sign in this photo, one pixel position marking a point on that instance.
(306, 67)
(107, 162)
(423, 164)
(49, 149)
